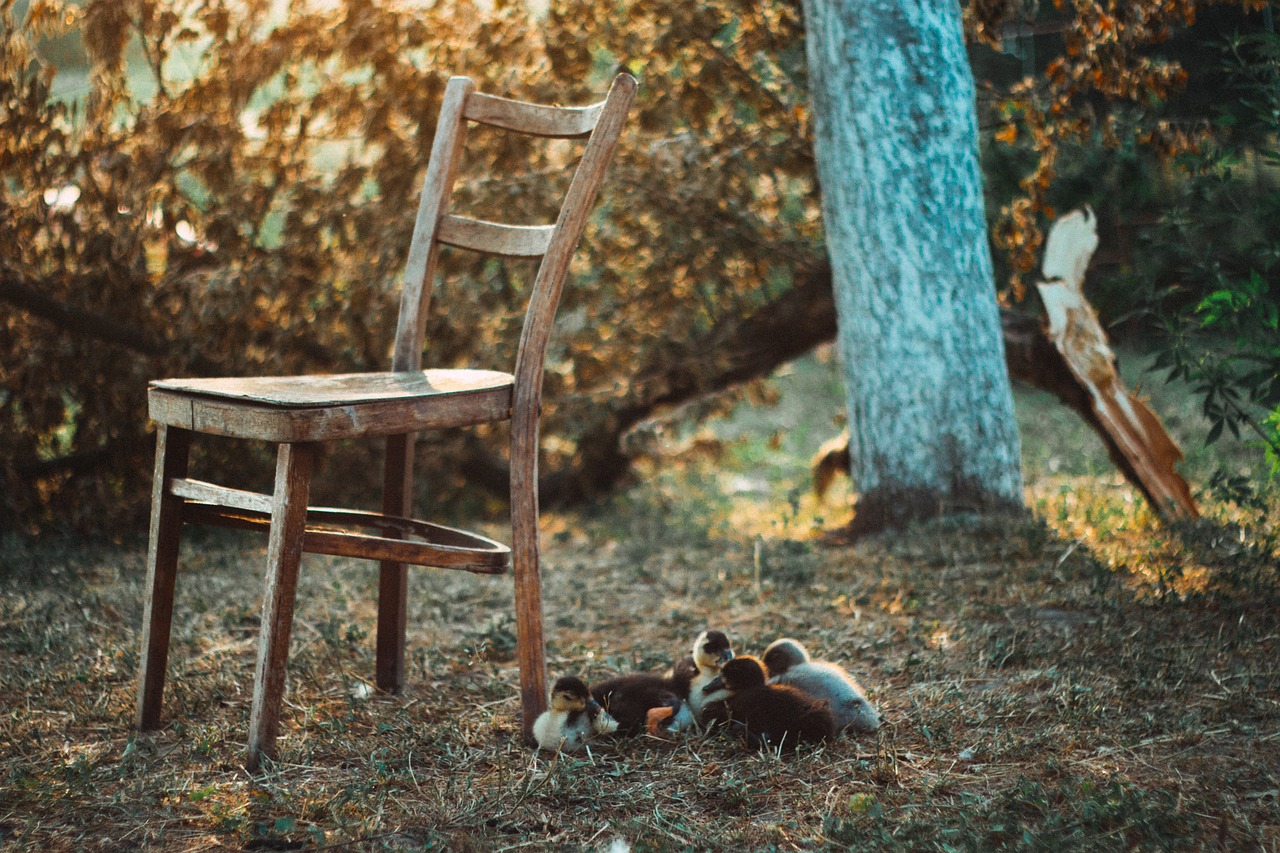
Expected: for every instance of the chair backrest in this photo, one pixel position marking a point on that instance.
(555, 244)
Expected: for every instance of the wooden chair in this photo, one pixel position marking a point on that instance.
(297, 412)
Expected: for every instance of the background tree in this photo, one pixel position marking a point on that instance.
(930, 407)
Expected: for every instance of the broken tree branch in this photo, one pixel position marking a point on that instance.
(1127, 422)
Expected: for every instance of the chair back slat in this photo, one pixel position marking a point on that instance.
(600, 123)
(513, 241)
(540, 315)
(533, 119)
(442, 169)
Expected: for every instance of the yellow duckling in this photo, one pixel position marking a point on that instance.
(573, 718)
(711, 650)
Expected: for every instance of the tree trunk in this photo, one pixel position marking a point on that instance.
(931, 419)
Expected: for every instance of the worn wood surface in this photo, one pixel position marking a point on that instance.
(527, 396)
(410, 541)
(172, 446)
(442, 170)
(514, 241)
(393, 575)
(376, 404)
(534, 119)
(200, 491)
(342, 389)
(284, 554)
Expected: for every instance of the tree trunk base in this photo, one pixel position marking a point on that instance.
(884, 509)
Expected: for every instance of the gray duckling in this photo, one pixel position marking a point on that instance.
(788, 663)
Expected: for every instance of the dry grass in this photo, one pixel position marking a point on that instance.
(1083, 679)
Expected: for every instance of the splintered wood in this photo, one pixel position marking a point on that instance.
(1135, 429)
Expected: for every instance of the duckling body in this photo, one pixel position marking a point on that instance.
(573, 718)
(711, 650)
(788, 664)
(629, 699)
(773, 716)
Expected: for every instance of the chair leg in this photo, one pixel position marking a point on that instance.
(284, 554)
(531, 648)
(393, 578)
(172, 450)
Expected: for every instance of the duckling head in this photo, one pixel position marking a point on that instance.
(712, 650)
(570, 694)
(741, 673)
(783, 654)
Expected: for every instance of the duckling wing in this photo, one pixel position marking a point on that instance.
(716, 713)
(629, 698)
(781, 716)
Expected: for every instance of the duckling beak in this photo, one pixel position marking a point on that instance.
(592, 707)
(726, 656)
(715, 684)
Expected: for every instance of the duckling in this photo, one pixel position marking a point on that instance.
(692, 674)
(773, 716)
(644, 700)
(573, 719)
(788, 663)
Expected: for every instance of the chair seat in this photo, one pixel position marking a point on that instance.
(321, 408)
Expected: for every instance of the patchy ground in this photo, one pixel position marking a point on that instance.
(1080, 679)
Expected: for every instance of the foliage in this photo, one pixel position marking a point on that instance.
(232, 197)
(249, 215)
(1189, 198)
(1220, 317)
(1105, 82)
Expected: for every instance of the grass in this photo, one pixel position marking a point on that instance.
(1081, 679)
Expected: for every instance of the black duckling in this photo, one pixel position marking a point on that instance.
(632, 700)
(773, 716)
(573, 718)
(711, 650)
(788, 662)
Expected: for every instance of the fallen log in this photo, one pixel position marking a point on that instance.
(744, 349)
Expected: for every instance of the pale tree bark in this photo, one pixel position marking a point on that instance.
(932, 430)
